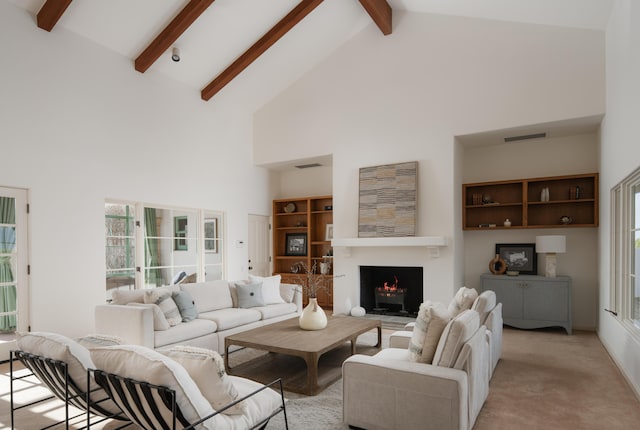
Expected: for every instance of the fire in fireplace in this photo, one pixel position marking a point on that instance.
(390, 294)
(392, 290)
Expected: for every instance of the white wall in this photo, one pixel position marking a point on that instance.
(380, 100)
(79, 125)
(313, 181)
(620, 155)
(532, 159)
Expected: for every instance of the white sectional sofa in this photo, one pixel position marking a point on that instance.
(218, 313)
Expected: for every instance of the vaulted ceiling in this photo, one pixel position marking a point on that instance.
(265, 44)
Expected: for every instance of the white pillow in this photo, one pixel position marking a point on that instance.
(431, 321)
(270, 288)
(462, 301)
(160, 323)
(458, 331)
(144, 364)
(166, 303)
(206, 368)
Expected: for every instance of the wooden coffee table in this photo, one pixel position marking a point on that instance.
(287, 338)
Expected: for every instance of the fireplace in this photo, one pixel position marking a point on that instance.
(391, 290)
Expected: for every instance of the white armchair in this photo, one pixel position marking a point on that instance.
(387, 391)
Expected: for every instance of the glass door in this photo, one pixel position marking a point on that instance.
(14, 291)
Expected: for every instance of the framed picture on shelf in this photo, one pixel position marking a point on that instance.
(296, 244)
(520, 257)
(328, 234)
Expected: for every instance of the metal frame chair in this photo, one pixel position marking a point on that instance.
(54, 374)
(154, 407)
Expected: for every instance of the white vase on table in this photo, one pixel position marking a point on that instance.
(312, 316)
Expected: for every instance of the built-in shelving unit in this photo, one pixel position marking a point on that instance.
(486, 205)
(305, 217)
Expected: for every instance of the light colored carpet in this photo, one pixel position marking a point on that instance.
(544, 380)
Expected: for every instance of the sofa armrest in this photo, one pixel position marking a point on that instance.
(400, 339)
(131, 323)
(382, 393)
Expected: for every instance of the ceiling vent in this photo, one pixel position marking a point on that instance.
(307, 166)
(525, 137)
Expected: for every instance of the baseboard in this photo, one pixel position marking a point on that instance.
(623, 372)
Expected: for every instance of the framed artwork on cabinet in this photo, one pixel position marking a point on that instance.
(520, 257)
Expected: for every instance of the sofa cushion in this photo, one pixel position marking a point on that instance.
(77, 357)
(231, 317)
(455, 334)
(484, 304)
(144, 364)
(123, 297)
(165, 302)
(159, 320)
(462, 301)
(181, 332)
(270, 288)
(259, 406)
(186, 305)
(209, 296)
(430, 323)
(272, 311)
(249, 295)
(206, 368)
(288, 291)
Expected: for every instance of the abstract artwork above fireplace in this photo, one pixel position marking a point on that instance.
(387, 206)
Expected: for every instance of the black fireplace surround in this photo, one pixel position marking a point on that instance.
(391, 290)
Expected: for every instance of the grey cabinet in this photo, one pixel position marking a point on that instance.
(532, 301)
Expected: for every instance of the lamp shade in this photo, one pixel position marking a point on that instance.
(546, 244)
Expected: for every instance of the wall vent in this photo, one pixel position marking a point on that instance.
(307, 166)
(525, 137)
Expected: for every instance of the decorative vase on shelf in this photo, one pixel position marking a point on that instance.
(313, 317)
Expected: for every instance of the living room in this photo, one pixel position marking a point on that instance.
(80, 126)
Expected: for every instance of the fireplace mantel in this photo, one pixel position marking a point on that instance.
(433, 243)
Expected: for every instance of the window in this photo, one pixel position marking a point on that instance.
(178, 245)
(625, 250)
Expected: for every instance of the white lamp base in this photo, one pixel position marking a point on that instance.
(550, 265)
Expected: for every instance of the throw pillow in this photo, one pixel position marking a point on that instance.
(96, 340)
(186, 305)
(206, 368)
(287, 291)
(270, 288)
(462, 301)
(249, 295)
(458, 331)
(159, 321)
(431, 321)
(166, 303)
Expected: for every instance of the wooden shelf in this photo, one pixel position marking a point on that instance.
(310, 217)
(486, 205)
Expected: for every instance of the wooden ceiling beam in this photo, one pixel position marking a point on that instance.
(265, 42)
(171, 33)
(50, 13)
(380, 12)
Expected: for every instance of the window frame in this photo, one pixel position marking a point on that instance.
(200, 262)
(623, 270)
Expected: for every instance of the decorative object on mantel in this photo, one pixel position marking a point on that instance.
(387, 205)
(550, 245)
(507, 222)
(497, 265)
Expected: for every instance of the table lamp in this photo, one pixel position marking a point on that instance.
(550, 245)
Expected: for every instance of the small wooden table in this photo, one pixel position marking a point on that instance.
(286, 337)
